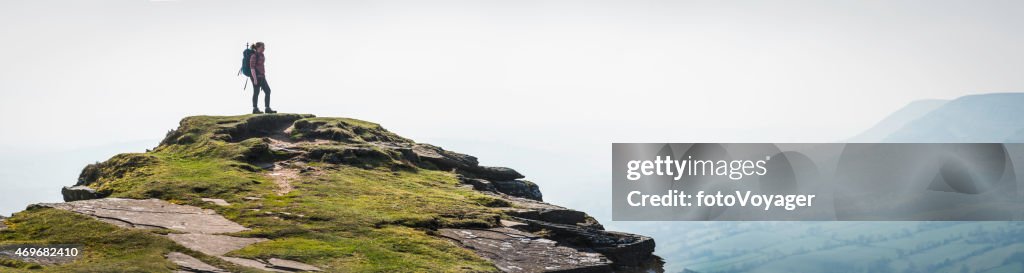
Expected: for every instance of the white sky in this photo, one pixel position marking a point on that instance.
(79, 73)
(497, 79)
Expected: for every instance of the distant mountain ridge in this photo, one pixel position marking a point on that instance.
(986, 118)
(895, 121)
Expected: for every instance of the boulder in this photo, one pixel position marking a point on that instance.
(511, 188)
(519, 188)
(623, 248)
(541, 211)
(496, 173)
(401, 148)
(448, 160)
(557, 216)
(77, 193)
(515, 251)
(444, 160)
(478, 184)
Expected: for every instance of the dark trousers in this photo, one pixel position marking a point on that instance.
(256, 87)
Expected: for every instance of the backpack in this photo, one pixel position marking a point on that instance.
(246, 55)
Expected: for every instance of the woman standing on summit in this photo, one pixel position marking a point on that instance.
(259, 78)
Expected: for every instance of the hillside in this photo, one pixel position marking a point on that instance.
(989, 118)
(290, 192)
(895, 121)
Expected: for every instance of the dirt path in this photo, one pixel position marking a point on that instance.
(283, 174)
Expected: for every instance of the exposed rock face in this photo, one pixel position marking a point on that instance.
(622, 248)
(574, 228)
(478, 184)
(467, 164)
(443, 159)
(541, 211)
(517, 251)
(568, 227)
(517, 188)
(115, 167)
(553, 215)
(76, 193)
(497, 173)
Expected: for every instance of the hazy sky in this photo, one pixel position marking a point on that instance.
(558, 78)
(77, 73)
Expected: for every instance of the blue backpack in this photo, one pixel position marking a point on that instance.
(245, 62)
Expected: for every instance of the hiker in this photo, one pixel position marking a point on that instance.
(252, 67)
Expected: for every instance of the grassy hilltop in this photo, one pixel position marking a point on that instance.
(349, 204)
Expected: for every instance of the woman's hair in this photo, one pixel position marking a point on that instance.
(256, 45)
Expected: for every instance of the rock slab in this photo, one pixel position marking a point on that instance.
(200, 229)
(79, 193)
(215, 201)
(290, 265)
(152, 213)
(623, 248)
(213, 245)
(187, 263)
(251, 263)
(519, 252)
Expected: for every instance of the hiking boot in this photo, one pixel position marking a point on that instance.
(270, 111)
(257, 111)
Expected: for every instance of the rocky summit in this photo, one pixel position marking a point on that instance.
(299, 193)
